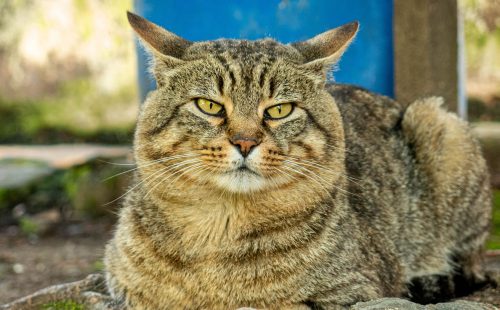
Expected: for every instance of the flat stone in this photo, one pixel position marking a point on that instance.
(487, 130)
(16, 174)
(460, 305)
(387, 303)
(63, 156)
(403, 304)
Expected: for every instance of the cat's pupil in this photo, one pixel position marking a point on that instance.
(279, 109)
(211, 105)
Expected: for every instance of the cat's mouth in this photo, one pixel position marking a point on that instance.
(243, 168)
(242, 178)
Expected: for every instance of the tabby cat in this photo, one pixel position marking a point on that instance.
(260, 185)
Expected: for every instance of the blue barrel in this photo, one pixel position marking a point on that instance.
(367, 63)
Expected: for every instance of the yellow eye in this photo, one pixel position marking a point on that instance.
(279, 111)
(209, 107)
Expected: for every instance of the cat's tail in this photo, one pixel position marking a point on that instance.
(449, 161)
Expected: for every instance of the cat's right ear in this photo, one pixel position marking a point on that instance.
(165, 45)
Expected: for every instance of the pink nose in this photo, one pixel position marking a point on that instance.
(244, 144)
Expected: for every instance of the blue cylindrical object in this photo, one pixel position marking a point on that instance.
(368, 62)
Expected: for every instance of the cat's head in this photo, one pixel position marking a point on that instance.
(240, 116)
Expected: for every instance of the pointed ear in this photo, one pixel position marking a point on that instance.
(164, 44)
(325, 49)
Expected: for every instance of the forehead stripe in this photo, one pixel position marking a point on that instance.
(224, 62)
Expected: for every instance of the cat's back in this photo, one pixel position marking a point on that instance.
(365, 111)
(378, 161)
(417, 177)
(377, 154)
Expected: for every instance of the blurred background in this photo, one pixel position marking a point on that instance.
(72, 79)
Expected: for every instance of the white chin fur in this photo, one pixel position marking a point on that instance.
(240, 182)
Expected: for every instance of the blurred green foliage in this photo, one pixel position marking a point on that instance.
(83, 192)
(78, 84)
(494, 240)
(482, 49)
(482, 33)
(77, 113)
(92, 189)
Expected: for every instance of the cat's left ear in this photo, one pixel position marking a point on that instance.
(325, 49)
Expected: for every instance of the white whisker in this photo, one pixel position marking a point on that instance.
(153, 176)
(314, 164)
(161, 160)
(332, 185)
(170, 168)
(181, 172)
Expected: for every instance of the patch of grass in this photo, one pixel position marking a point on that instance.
(27, 226)
(98, 266)
(63, 305)
(493, 242)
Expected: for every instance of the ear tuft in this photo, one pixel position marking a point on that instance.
(160, 40)
(328, 46)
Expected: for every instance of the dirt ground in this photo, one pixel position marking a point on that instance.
(30, 264)
(76, 250)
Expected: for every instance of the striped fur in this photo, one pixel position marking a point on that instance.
(352, 197)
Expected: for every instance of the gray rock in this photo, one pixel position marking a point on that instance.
(460, 305)
(387, 303)
(403, 304)
(63, 156)
(20, 173)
